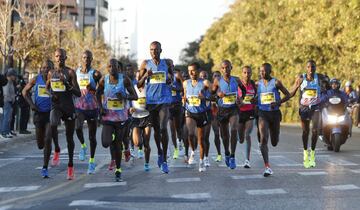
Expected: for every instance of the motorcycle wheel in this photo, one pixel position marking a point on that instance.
(336, 141)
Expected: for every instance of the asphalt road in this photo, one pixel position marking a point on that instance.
(333, 184)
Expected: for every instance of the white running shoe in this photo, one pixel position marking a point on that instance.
(206, 162)
(202, 167)
(132, 153)
(247, 164)
(192, 158)
(181, 148)
(268, 172)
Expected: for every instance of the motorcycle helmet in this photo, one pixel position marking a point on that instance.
(335, 83)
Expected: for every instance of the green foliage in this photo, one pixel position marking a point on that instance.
(286, 33)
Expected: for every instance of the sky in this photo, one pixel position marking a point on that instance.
(173, 23)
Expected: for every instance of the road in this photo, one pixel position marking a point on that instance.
(333, 184)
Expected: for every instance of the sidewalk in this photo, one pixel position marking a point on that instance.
(297, 125)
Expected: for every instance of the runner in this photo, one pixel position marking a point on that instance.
(215, 122)
(227, 91)
(196, 114)
(87, 108)
(114, 110)
(247, 111)
(269, 113)
(310, 94)
(158, 75)
(63, 85)
(41, 108)
(176, 114)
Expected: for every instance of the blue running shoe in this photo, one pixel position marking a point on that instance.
(227, 161)
(232, 163)
(147, 167)
(82, 153)
(91, 169)
(44, 173)
(160, 160)
(164, 168)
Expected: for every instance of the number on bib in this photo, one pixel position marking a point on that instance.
(42, 92)
(267, 98)
(229, 99)
(309, 93)
(194, 101)
(57, 85)
(248, 98)
(115, 104)
(158, 78)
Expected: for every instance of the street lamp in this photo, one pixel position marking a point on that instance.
(110, 22)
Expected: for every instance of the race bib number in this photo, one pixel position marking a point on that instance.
(309, 93)
(42, 92)
(267, 98)
(141, 102)
(194, 101)
(229, 99)
(57, 85)
(158, 77)
(248, 98)
(84, 81)
(173, 92)
(115, 104)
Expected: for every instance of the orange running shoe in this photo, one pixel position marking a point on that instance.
(127, 155)
(56, 159)
(70, 173)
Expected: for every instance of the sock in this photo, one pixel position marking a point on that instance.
(118, 170)
(232, 155)
(91, 160)
(45, 167)
(83, 145)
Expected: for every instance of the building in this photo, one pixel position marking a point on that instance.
(92, 13)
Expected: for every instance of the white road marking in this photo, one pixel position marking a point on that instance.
(313, 173)
(18, 189)
(89, 203)
(6, 207)
(176, 180)
(341, 187)
(6, 161)
(104, 184)
(289, 164)
(192, 196)
(357, 171)
(336, 161)
(255, 176)
(40, 167)
(280, 160)
(179, 166)
(266, 192)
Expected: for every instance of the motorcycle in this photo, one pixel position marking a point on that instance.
(336, 123)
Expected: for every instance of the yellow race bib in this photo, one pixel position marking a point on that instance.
(158, 77)
(141, 102)
(267, 98)
(248, 98)
(115, 104)
(42, 92)
(194, 101)
(229, 99)
(83, 81)
(173, 92)
(309, 93)
(57, 85)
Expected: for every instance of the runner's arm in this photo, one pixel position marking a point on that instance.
(286, 93)
(74, 88)
(99, 93)
(132, 96)
(26, 95)
(143, 74)
(296, 86)
(184, 96)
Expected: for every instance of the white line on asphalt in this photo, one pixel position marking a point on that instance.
(40, 167)
(18, 189)
(192, 196)
(89, 203)
(288, 164)
(266, 192)
(179, 166)
(254, 176)
(357, 171)
(6, 161)
(193, 179)
(280, 160)
(313, 173)
(341, 187)
(6, 207)
(104, 184)
(336, 161)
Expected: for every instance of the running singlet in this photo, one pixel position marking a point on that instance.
(62, 99)
(158, 92)
(250, 94)
(310, 91)
(176, 95)
(87, 100)
(231, 92)
(268, 94)
(193, 103)
(140, 103)
(42, 96)
(115, 109)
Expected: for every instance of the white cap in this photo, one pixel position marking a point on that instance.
(348, 84)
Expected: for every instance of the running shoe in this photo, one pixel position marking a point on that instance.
(146, 167)
(118, 176)
(268, 172)
(306, 159)
(247, 164)
(181, 149)
(202, 167)
(127, 155)
(192, 158)
(44, 173)
(56, 159)
(206, 162)
(165, 168)
(140, 154)
(160, 160)
(70, 173)
(218, 158)
(132, 152)
(82, 153)
(312, 162)
(227, 161)
(91, 168)
(186, 159)
(176, 153)
(112, 165)
(232, 163)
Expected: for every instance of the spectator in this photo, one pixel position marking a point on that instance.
(3, 82)
(353, 105)
(24, 106)
(357, 111)
(9, 100)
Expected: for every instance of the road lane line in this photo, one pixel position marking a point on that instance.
(89, 203)
(192, 196)
(254, 176)
(357, 171)
(266, 192)
(283, 161)
(7, 161)
(104, 184)
(313, 173)
(176, 180)
(336, 161)
(6, 207)
(18, 189)
(341, 187)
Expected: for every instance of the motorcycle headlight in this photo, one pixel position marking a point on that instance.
(341, 118)
(333, 119)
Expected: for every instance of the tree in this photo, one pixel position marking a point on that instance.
(6, 34)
